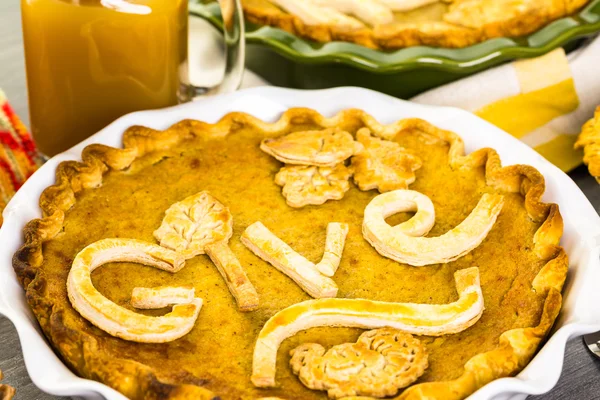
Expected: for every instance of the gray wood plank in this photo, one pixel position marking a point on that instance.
(580, 372)
(13, 367)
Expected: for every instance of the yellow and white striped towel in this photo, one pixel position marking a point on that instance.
(543, 101)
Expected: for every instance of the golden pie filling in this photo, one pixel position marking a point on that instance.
(217, 353)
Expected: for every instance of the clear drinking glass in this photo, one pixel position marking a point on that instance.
(91, 61)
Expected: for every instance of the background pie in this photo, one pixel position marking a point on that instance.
(390, 24)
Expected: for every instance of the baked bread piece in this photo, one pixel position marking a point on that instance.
(438, 23)
(125, 193)
(589, 141)
(6, 392)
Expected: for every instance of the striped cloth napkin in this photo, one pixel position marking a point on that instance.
(542, 101)
(18, 155)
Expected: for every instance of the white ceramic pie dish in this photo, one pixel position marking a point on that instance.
(581, 231)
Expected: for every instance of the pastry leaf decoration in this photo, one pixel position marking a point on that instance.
(313, 185)
(193, 223)
(200, 224)
(383, 165)
(325, 148)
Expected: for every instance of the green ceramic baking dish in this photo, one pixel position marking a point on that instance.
(287, 60)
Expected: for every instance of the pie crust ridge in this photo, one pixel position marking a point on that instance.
(80, 350)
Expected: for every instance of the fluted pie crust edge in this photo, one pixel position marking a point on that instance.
(138, 381)
(442, 34)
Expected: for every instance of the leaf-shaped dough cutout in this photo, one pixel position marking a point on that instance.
(313, 185)
(193, 223)
(325, 148)
(383, 165)
(200, 224)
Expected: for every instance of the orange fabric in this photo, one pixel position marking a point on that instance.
(19, 157)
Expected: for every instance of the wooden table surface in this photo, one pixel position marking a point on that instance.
(581, 370)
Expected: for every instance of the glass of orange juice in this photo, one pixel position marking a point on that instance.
(91, 61)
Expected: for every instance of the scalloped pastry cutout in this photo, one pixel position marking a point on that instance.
(381, 362)
(383, 165)
(116, 320)
(417, 319)
(262, 242)
(194, 222)
(404, 242)
(313, 185)
(324, 148)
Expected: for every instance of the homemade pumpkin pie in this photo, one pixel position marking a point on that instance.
(392, 24)
(307, 258)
